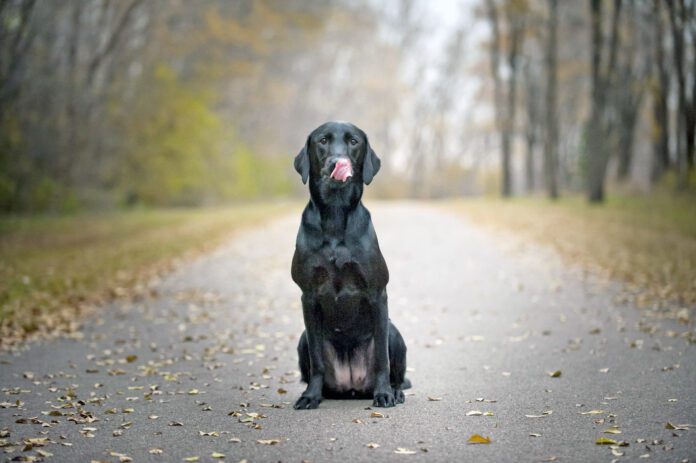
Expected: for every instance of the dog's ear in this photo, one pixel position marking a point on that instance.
(371, 164)
(302, 162)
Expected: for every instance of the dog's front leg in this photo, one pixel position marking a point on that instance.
(383, 393)
(311, 397)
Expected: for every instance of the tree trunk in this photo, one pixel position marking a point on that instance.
(599, 131)
(660, 93)
(677, 15)
(551, 144)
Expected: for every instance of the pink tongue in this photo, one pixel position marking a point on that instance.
(343, 170)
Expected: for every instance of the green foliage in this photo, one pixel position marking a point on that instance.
(173, 136)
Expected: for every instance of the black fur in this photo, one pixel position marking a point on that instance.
(343, 277)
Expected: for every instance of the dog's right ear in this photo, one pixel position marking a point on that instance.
(302, 162)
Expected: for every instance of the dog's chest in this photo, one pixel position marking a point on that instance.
(339, 280)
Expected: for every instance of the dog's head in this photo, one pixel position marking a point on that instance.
(337, 156)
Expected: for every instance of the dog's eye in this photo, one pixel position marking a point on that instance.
(353, 141)
(323, 141)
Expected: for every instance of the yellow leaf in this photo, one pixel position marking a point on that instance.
(555, 374)
(478, 439)
(613, 430)
(605, 441)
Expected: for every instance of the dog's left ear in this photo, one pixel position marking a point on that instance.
(371, 164)
(302, 162)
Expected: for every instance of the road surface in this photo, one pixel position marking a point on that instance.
(207, 369)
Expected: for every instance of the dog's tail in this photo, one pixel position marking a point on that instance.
(406, 384)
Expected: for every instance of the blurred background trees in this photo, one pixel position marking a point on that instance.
(107, 103)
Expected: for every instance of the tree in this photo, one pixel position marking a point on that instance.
(681, 18)
(551, 141)
(660, 92)
(514, 15)
(599, 140)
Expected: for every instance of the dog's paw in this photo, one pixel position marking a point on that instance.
(307, 402)
(399, 397)
(384, 399)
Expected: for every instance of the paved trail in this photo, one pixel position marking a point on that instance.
(210, 364)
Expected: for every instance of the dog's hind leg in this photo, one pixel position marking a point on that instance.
(397, 363)
(303, 353)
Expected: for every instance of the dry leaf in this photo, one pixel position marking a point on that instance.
(593, 412)
(478, 439)
(474, 413)
(543, 414)
(268, 441)
(404, 451)
(372, 445)
(555, 374)
(434, 399)
(156, 451)
(376, 415)
(217, 455)
(613, 430)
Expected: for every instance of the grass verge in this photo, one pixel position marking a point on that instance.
(55, 269)
(648, 242)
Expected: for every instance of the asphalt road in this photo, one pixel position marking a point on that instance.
(209, 365)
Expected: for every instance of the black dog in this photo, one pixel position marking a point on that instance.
(349, 348)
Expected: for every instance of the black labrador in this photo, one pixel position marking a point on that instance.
(350, 348)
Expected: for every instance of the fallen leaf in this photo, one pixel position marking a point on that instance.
(404, 451)
(376, 415)
(474, 413)
(555, 374)
(606, 441)
(434, 399)
(155, 451)
(235, 440)
(543, 414)
(281, 391)
(613, 430)
(478, 439)
(593, 412)
(191, 458)
(217, 455)
(122, 457)
(268, 441)
(372, 445)
(534, 434)
(176, 423)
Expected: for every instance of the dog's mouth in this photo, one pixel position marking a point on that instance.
(343, 170)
